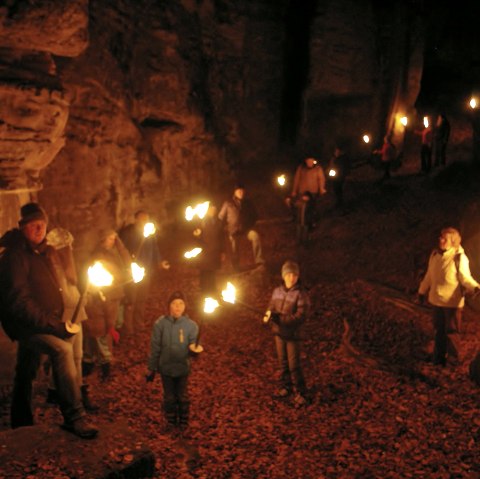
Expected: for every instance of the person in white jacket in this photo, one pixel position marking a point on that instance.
(446, 281)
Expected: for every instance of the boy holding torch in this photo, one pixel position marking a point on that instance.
(287, 311)
(174, 336)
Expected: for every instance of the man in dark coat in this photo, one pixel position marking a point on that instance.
(37, 300)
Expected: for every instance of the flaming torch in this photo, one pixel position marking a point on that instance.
(282, 180)
(366, 138)
(473, 103)
(404, 120)
(99, 277)
(209, 307)
(193, 253)
(229, 296)
(138, 273)
(148, 230)
(199, 210)
(425, 121)
(332, 173)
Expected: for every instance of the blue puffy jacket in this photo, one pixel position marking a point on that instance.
(169, 353)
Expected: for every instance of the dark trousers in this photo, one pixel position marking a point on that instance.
(61, 355)
(446, 322)
(176, 404)
(426, 157)
(288, 354)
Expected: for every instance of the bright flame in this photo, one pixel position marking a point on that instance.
(148, 230)
(282, 180)
(425, 121)
(200, 210)
(99, 276)
(332, 173)
(404, 120)
(228, 294)
(138, 272)
(210, 305)
(193, 253)
(366, 138)
(473, 103)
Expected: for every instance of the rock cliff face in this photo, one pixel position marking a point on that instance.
(108, 106)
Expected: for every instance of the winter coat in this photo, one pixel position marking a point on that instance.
(239, 215)
(293, 306)
(169, 352)
(117, 262)
(309, 180)
(443, 282)
(35, 293)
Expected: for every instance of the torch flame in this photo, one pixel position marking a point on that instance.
(425, 121)
(282, 180)
(332, 173)
(99, 276)
(210, 305)
(138, 272)
(200, 210)
(366, 138)
(404, 120)
(473, 103)
(148, 230)
(193, 253)
(228, 294)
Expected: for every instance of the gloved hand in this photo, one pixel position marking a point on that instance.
(275, 317)
(60, 331)
(150, 377)
(421, 299)
(114, 334)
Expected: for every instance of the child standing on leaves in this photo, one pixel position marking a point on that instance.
(173, 338)
(287, 311)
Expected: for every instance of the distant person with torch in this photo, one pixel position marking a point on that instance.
(287, 311)
(103, 304)
(338, 168)
(38, 304)
(388, 154)
(173, 340)
(140, 240)
(239, 216)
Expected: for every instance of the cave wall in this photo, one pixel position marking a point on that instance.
(141, 103)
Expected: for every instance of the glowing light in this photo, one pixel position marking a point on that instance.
(210, 305)
(366, 138)
(138, 273)
(193, 253)
(149, 230)
(199, 210)
(473, 103)
(332, 173)
(282, 180)
(404, 120)
(99, 276)
(229, 293)
(425, 121)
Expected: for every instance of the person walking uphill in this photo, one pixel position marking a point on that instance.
(287, 311)
(447, 279)
(36, 304)
(173, 339)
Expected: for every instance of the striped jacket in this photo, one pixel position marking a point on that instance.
(293, 305)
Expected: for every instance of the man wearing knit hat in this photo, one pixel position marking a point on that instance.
(34, 293)
(286, 312)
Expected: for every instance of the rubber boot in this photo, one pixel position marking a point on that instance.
(87, 404)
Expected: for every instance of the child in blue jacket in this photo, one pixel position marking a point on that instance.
(173, 338)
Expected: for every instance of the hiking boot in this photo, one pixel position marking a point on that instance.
(87, 403)
(81, 428)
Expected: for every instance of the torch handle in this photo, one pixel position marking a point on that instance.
(79, 305)
(251, 308)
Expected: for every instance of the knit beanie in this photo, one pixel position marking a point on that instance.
(176, 295)
(32, 212)
(290, 267)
